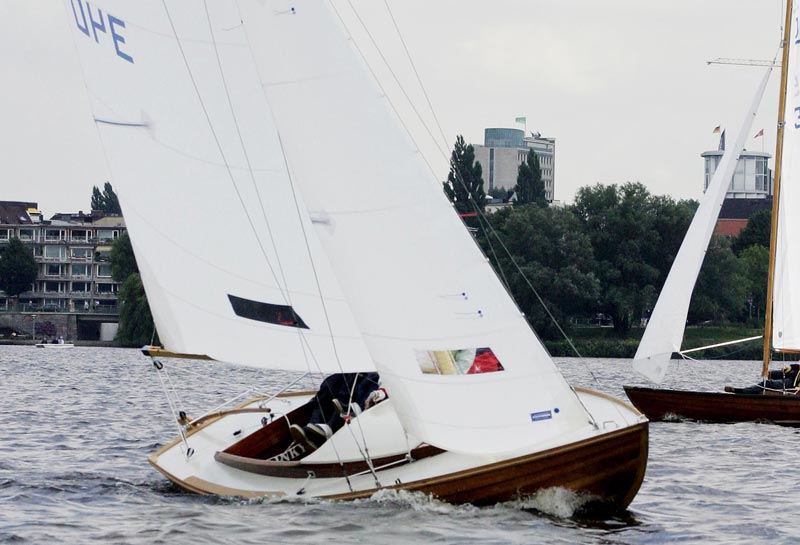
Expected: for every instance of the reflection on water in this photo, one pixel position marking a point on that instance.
(76, 428)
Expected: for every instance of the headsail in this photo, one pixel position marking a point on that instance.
(227, 252)
(464, 369)
(664, 332)
(786, 288)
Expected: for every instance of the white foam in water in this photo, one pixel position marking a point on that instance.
(557, 502)
(417, 501)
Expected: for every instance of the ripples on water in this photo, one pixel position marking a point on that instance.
(76, 428)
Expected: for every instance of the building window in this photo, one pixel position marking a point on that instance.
(80, 235)
(26, 234)
(81, 287)
(52, 269)
(104, 271)
(80, 271)
(54, 252)
(107, 234)
(106, 288)
(762, 174)
(52, 235)
(81, 254)
(491, 168)
(52, 287)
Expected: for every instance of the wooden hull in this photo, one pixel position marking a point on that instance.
(609, 468)
(662, 404)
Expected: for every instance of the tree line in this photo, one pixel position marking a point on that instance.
(607, 254)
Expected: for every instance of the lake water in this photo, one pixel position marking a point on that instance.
(76, 427)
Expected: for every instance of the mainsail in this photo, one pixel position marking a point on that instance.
(463, 367)
(786, 289)
(664, 332)
(227, 252)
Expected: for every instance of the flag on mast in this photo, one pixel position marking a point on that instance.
(759, 133)
(523, 120)
(716, 130)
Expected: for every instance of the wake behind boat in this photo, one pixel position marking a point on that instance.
(775, 398)
(341, 254)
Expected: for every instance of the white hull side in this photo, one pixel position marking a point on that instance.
(201, 473)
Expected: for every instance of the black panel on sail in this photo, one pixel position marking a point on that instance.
(266, 312)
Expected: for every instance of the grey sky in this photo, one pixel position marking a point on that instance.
(622, 85)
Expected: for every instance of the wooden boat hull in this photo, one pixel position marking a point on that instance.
(662, 404)
(604, 466)
(609, 469)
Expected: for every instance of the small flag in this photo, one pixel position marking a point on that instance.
(716, 130)
(759, 133)
(520, 120)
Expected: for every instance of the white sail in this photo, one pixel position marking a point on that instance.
(228, 256)
(786, 289)
(664, 332)
(429, 305)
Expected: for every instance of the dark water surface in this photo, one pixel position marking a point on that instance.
(76, 427)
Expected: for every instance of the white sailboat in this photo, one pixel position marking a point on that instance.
(338, 253)
(665, 329)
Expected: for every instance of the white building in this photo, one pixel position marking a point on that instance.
(752, 178)
(504, 150)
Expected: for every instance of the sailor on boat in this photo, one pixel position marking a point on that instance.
(340, 397)
(779, 381)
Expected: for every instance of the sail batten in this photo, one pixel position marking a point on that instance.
(664, 333)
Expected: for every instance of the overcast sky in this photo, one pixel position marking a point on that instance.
(622, 85)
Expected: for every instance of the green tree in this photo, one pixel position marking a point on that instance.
(554, 254)
(530, 187)
(619, 219)
(18, 269)
(135, 319)
(721, 291)
(106, 201)
(136, 325)
(755, 264)
(123, 262)
(757, 231)
(464, 185)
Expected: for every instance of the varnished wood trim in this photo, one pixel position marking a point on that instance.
(159, 352)
(611, 398)
(300, 470)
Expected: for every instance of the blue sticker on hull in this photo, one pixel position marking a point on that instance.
(541, 415)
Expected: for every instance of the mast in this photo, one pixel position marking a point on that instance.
(773, 242)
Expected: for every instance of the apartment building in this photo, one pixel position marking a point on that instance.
(73, 253)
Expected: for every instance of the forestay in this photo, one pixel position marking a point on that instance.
(464, 369)
(227, 253)
(664, 332)
(786, 288)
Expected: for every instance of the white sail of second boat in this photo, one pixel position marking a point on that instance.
(664, 332)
